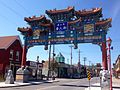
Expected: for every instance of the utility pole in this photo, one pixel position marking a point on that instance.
(37, 67)
(71, 62)
(68, 61)
(49, 62)
(53, 54)
(71, 53)
(53, 62)
(79, 56)
(79, 66)
(89, 63)
(84, 60)
(85, 72)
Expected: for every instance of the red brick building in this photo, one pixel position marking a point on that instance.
(116, 69)
(10, 54)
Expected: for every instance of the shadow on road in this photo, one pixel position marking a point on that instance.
(74, 85)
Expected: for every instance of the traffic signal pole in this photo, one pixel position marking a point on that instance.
(49, 62)
(71, 54)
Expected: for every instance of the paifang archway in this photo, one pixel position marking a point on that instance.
(67, 26)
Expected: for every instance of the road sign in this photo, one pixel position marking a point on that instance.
(88, 74)
(61, 26)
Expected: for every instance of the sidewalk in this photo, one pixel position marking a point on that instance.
(16, 84)
(96, 86)
(116, 82)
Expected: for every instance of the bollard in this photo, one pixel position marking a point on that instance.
(9, 78)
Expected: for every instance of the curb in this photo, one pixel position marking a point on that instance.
(16, 85)
(28, 84)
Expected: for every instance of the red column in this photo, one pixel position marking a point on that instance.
(23, 63)
(104, 56)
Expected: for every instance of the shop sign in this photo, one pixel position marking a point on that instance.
(33, 64)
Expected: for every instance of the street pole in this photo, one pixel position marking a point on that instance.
(53, 54)
(110, 69)
(89, 63)
(84, 64)
(37, 66)
(84, 60)
(109, 50)
(89, 84)
(79, 60)
(71, 53)
(71, 60)
(49, 62)
(53, 61)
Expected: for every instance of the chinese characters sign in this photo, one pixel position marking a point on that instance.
(61, 26)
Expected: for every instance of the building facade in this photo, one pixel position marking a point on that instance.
(10, 54)
(35, 69)
(58, 66)
(116, 69)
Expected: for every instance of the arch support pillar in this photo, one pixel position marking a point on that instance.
(24, 53)
(104, 56)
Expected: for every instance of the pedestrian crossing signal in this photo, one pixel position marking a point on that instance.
(88, 74)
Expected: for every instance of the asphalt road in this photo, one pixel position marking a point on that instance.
(62, 84)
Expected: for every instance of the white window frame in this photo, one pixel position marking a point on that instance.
(17, 55)
(11, 54)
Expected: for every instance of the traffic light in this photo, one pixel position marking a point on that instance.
(75, 46)
(54, 54)
(43, 61)
(46, 47)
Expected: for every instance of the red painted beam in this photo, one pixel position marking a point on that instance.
(104, 56)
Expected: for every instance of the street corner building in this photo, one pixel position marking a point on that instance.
(116, 67)
(10, 55)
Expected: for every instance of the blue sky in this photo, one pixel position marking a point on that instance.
(12, 13)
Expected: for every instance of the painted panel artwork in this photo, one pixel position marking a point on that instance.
(88, 28)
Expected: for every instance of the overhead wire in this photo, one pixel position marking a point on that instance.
(26, 10)
(18, 14)
(11, 9)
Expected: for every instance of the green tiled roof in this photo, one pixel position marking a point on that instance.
(60, 58)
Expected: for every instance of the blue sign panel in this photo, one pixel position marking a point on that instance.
(61, 26)
(66, 40)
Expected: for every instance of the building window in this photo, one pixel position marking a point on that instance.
(11, 54)
(17, 56)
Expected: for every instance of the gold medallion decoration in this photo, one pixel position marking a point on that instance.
(88, 28)
(36, 34)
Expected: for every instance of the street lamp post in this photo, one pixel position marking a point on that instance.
(37, 67)
(71, 62)
(49, 62)
(109, 41)
(53, 69)
(79, 66)
(84, 61)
